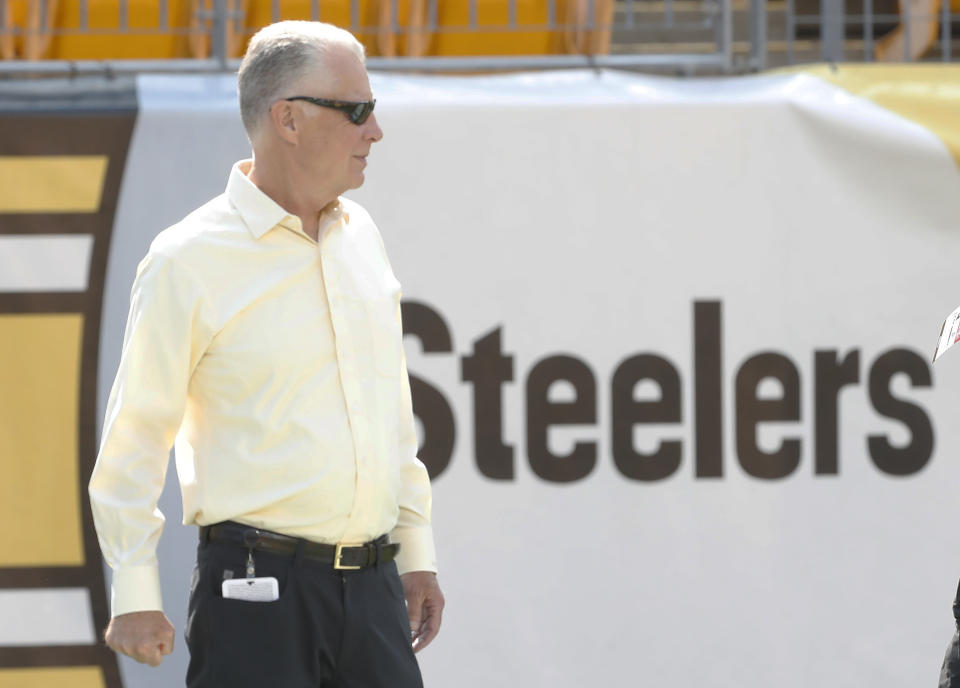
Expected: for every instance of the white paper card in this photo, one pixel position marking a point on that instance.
(251, 589)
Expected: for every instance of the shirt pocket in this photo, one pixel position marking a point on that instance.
(386, 333)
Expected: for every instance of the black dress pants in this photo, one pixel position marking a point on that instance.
(328, 629)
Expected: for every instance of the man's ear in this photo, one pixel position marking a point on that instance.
(283, 118)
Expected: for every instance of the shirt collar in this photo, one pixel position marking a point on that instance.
(260, 213)
(257, 210)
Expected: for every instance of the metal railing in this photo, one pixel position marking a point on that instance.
(797, 32)
(919, 31)
(219, 20)
(686, 36)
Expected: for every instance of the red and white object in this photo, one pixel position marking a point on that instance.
(949, 334)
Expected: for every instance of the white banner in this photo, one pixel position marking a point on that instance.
(671, 342)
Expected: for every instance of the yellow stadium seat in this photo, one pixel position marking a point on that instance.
(588, 41)
(33, 34)
(51, 29)
(530, 35)
(201, 25)
(7, 38)
(60, 35)
(393, 40)
(373, 19)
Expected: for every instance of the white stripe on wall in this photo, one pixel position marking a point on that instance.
(46, 616)
(50, 262)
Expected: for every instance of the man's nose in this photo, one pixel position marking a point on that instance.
(374, 132)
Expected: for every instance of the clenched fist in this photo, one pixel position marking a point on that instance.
(144, 636)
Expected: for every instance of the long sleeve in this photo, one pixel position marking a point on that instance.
(413, 530)
(167, 332)
(272, 361)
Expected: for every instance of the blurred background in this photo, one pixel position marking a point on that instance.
(673, 36)
(673, 274)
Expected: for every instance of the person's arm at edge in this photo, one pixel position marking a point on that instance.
(417, 559)
(162, 343)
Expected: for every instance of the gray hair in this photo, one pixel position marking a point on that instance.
(280, 54)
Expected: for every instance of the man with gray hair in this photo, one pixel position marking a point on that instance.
(264, 341)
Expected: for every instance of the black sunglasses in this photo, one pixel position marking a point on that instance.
(356, 112)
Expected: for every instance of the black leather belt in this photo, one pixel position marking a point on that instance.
(341, 557)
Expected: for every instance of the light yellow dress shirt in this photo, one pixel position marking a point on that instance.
(275, 365)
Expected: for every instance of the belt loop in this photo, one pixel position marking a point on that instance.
(379, 553)
(204, 536)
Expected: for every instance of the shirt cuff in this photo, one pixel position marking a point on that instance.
(136, 589)
(417, 551)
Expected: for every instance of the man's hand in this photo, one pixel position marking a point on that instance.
(145, 636)
(424, 606)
